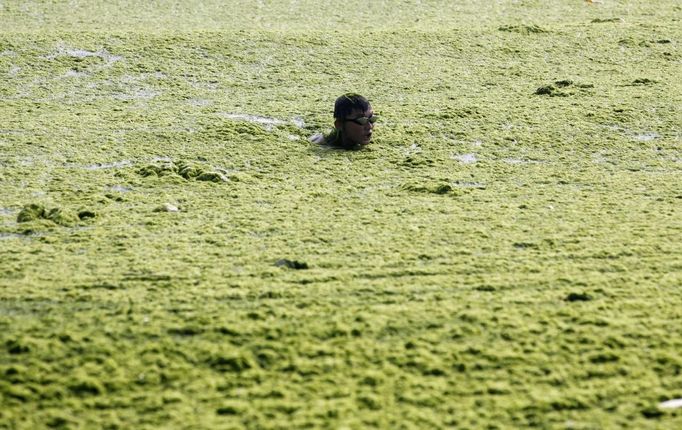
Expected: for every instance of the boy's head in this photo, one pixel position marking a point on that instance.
(354, 119)
(347, 103)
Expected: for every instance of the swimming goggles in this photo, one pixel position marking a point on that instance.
(362, 120)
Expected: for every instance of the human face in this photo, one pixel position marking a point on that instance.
(354, 133)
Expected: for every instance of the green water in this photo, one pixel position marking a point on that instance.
(174, 253)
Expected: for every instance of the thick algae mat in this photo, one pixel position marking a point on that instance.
(175, 253)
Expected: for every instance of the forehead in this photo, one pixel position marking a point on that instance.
(359, 113)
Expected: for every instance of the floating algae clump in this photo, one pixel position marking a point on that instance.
(36, 212)
(552, 90)
(31, 212)
(183, 169)
(162, 169)
(212, 177)
(433, 188)
(60, 217)
(291, 264)
(166, 207)
(523, 29)
(188, 171)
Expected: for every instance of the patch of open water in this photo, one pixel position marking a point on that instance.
(74, 74)
(5, 236)
(12, 131)
(200, 102)
(671, 404)
(165, 159)
(413, 149)
(465, 158)
(101, 166)
(105, 55)
(647, 136)
(265, 121)
(317, 138)
(298, 122)
(139, 94)
(6, 211)
(20, 236)
(467, 184)
(119, 188)
(522, 161)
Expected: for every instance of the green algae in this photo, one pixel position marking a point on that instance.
(185, 170)
(562, 88)
(36, 212)
(496, 258)
(291, 264)
(523, 29)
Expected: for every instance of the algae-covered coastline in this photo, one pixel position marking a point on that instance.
(174, 253)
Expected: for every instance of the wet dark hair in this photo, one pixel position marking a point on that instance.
(349, 102)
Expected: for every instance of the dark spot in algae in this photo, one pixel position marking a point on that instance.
(606, 357)
(525, 245)
(417, 161)
(103, 285)
(546, 90)
(429, 188)
(227, 331)
(369, 401)
(114, 197)
(186, 331)
(410, 345)
(553, 90)
(86, 387)
(58, 423)
(17, 346)
(643, 81)
(236, 364)
(578, 297)
(291, 264)
(442, 189)
(266, 358)
(85, 214)
(12, 371)
(652, 412)
(523, 29)
(228, 410)
(18, 392)
(603, 20)
(371, 380)
(568, 404)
